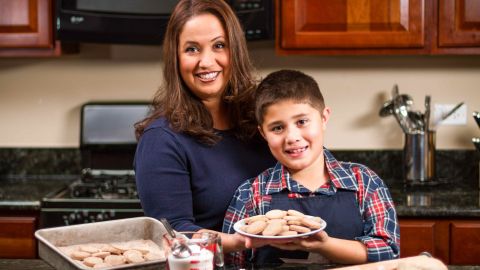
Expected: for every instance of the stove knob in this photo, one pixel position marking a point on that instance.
(65, 220)
(100, 217)
(78, 216)
(71, 218)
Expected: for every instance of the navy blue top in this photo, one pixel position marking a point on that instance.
(189, 183)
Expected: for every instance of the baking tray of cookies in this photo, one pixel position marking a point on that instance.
(55, 245)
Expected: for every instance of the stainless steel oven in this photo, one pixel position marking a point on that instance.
(106, 187)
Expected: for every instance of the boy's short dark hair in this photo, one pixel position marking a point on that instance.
(287, 85)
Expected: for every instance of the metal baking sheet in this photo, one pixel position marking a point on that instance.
(120, 230)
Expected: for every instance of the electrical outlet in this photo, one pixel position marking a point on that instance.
(459, 117)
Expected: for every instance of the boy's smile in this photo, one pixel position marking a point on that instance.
(294, 132)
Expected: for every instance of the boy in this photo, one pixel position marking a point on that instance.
(355, 203)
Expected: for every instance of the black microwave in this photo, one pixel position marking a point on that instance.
(144, 21)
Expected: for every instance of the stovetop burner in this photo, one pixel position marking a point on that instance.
(105, 190)
(105, 184)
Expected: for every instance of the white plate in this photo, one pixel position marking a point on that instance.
(240, 223)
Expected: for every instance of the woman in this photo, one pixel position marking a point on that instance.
(200, 141)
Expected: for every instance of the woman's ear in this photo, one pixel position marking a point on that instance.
(261, 131)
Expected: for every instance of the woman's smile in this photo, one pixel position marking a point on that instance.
(208, 76)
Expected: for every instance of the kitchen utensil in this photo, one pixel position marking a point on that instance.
(452, 111)
(168, 227)
(387, 108)
(400, 111)
(179, 248)
(476, 116)
(427, 113)
(417, 119)
(476, 142)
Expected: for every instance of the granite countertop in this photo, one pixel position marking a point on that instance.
(42, 265)
(442, 200)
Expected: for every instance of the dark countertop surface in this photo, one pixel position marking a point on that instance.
(42, 265)
(442, 200)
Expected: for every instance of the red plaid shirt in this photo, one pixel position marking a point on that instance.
(380, 225)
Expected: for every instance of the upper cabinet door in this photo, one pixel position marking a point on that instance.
(26, 24)
(459, 23)
(352, 24)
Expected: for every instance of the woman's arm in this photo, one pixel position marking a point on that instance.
(163, 181)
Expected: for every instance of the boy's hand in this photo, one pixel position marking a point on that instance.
(251, 242)
(309, 244)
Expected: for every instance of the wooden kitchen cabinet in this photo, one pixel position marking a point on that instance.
(465, 242)
(26, 28)
(458, 25)
(455, 242)
(17, 238)
(378, 27)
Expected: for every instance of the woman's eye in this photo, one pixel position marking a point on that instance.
(277, 129)
(219, 45)
(191, 49)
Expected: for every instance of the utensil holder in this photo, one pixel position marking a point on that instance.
(419, 158)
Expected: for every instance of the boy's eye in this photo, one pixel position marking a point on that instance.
(302, 122)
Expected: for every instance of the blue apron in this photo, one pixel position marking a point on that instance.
(340, 211)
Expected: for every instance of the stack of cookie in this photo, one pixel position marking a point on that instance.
(102, 255)
(281, 223)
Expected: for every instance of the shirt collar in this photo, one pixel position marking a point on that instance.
(281, 179)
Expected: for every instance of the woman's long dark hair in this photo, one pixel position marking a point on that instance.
(174, 101)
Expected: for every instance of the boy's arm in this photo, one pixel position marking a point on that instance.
(335, 249)
(381, 229)
(240, 207)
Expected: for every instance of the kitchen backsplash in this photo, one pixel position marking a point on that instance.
(38, 162)
(451, 165)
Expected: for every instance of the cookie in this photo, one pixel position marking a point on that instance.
(133, 256)
(79, 255)
(273, 229)
(272, 214)
(91, 261)
(115, 260)
(256, 227)
(299, 229)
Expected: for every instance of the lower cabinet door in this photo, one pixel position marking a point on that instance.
(417, 236)
(465, 242)
(17, 238)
